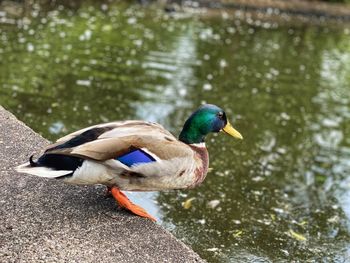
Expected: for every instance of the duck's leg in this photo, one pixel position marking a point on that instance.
(124, 202)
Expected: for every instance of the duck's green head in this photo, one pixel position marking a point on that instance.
(208, 118)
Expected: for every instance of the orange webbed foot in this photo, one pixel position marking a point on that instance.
(124, 202)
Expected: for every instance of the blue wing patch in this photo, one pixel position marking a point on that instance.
(135, 157)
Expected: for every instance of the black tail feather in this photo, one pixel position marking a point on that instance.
(32, 163)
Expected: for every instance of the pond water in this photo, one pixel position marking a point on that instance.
(281, 194)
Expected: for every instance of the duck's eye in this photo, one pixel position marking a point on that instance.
(220, 115)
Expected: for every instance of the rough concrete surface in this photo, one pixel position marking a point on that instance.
(46, 220)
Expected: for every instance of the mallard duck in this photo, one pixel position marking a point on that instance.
(133, 155)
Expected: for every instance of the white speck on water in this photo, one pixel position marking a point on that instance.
(15, 87)
(206, 57)
(275, 46)
(131, 20)
(223, 63)
(281, 150)
(22, 40)
(254, 90)
(83, 82)
(285, 116)
(268, 75)
(86, 35)
(201, 221)
(104, 7)
(216, 36)
(56, 127)
(257, 193)
(231, 30)
(128, 62)
(213, 249)
(207, 86)
(30, 47)
(268, 144)
(251, 31)
(331, 123)
(107, 28)
(182, 92)
(213, 203)
(258, 179)
(274, 71)
(68, 47)
(206, 33)
(93, 61)
(278, 210)
(138, 42)
(333, 219)
(225, 15)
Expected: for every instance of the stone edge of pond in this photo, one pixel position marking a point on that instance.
(305, 7)
(280, 11)
(46, 220)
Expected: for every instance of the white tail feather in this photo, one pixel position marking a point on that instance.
(41, 171)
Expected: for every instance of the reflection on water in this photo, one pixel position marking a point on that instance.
(282, 194)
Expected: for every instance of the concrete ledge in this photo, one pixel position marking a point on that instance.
(48, 221)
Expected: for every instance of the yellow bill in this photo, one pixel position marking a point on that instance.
(232, 131)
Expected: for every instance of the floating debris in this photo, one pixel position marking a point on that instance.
(207, 86)
(302, 223)
(334, 219)
(213, 249)
(238, 233)
(30, 47)
(296, 236)
(223, 63)
(273, 217)
(213, 203)
(83, 82)
(237, 222)
(188, 203)
(258, 179)
(201, 221)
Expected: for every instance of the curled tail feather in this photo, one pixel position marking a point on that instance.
(32, 163)
(34, 168)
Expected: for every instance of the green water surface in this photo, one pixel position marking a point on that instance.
(281, 194)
